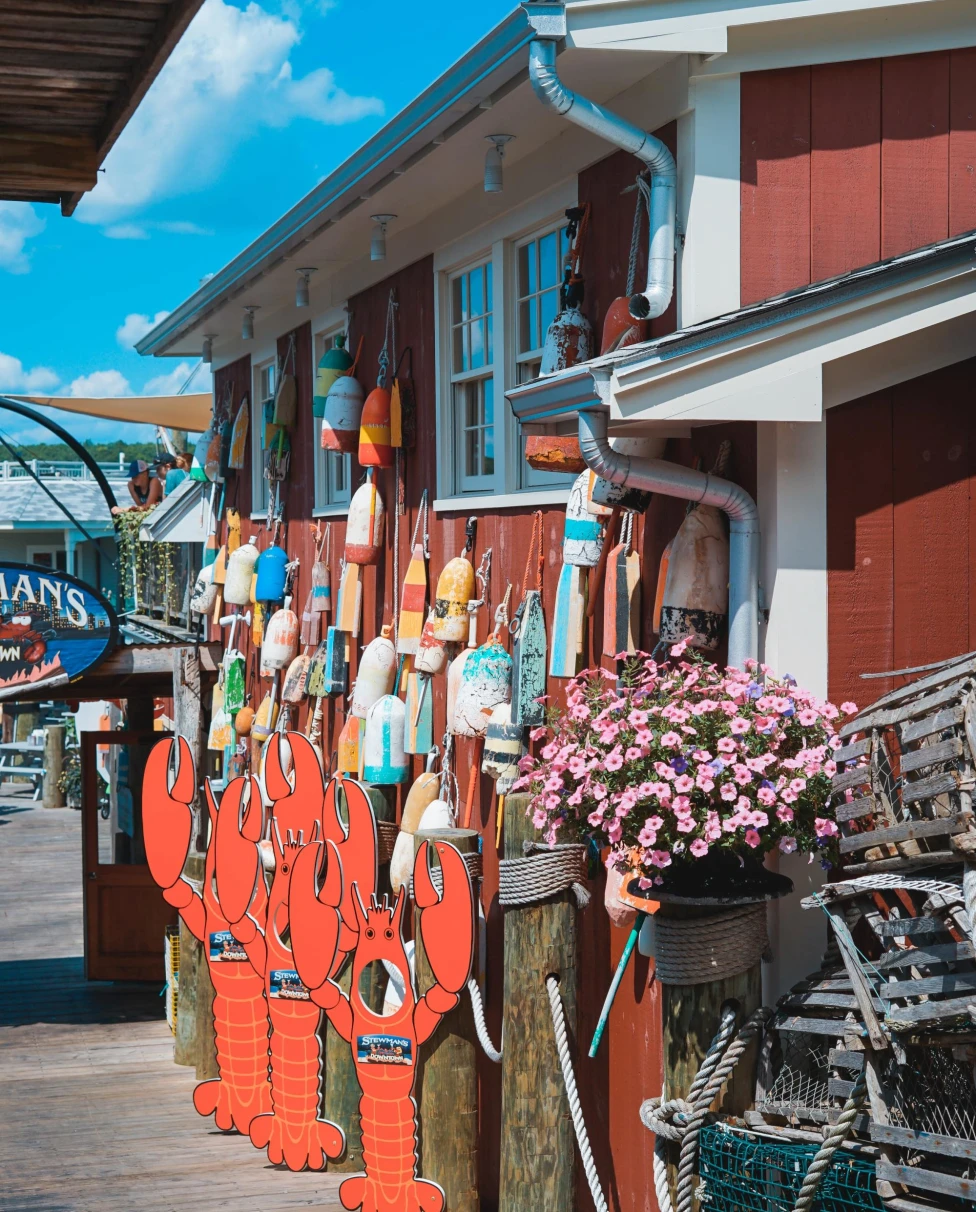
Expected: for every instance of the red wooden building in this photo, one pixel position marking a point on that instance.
(820, 145)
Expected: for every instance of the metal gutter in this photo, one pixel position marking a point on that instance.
(347, 187)
(570, 389)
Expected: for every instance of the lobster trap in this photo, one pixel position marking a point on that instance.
(745, 1172)
(903, 791)
(807, 1068)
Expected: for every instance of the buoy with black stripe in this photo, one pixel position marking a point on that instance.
(504, 746)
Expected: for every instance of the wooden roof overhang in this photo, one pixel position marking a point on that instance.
(72, 73)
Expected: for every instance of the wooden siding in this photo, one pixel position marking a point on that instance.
(628, 1069)
(900, 530)
(845, 164)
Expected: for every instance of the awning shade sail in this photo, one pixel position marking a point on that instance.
(190, 412)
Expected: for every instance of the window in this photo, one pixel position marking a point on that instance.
(333, 471)
(538, 273)
(472, 379)
(55, 558)
(264, 389)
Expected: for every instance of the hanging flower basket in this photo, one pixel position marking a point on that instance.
(687, 775)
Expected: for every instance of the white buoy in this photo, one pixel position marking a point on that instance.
(364, 526)
(486, 681)
(504, 746)
(280, 644)
(384, 760)
(343, 411)
(419, 798)
(696, 594)
(240, 570)
(377, 672)
(582, 534)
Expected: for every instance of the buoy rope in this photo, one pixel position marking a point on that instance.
(643, 206)
(572, 1094)
(480, 1026)
(691, 952)
(545, 871)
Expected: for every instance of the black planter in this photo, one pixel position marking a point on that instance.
(721, 877)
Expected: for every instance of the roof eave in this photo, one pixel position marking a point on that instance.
(351, 183)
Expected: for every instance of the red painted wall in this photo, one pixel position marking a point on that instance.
(628, 1069)
(901, 530)
(845, 164)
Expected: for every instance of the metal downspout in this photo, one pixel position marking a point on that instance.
(553, 92)
(670, 479)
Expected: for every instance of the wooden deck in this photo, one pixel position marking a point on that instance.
(96, 1117)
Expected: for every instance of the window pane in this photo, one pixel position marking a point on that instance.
(547, 312)
(490, 356)
(478, 292)
(456, 300)
(458, 344)
(532, 282)
(477, 344)
(534, 338)
(524, 256)
(524, 328)
(488, 410)
(527, 371)
(548, 261)
(489, 275)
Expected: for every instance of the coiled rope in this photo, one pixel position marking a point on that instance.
(691, 952)
(545, 871)
(472, 861)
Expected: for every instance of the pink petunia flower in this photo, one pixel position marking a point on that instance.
(752, 838)
(726, 745)
(808, 717)
(849, 708)
(684, 784)
(698, 848)
(686, 824)
(787, 845)
(739, 726)
(671, 740)
(766, 796)
(824, 827)
(728, 791)
(660, 858)
(784, 813)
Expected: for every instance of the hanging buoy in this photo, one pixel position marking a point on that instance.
(270, 569)
(504, 746)
(336, 667)
(240, 570)
(376, 674)
(569, 341)
(349, 746)
(293, 688)
(605, 495)
(567, 623)
(384, 760)
(620, 329)
(265, 719)
(431, 658)
(455, 672)
(529, 662)
(662, 580)
(419, 798)
(413, 600)
(199, 462)
(621, 601)
(419, 705)
(342, 414)
(286, 390)
(364, 525)
(581, 536)
(311, 625)
(455, 588)
(280, 644)
(375, 449)
(238, 437)
(696, 595)
(321, 588)
(244, 720)
(437, 815)
(204, 591)
(486, 681)
(333, 364)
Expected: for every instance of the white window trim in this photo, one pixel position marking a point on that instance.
(260, 358)
(495, 241)
(330, 324)
(447, 434)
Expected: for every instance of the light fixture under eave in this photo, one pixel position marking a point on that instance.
(494, 183)
(247, 324)
(301, 287)
(377, 245)
(207, 354)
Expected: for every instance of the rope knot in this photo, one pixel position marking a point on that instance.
(667, 1118)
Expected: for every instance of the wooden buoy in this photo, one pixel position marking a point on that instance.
(349, 747)
(448, 1078)
(333, 364)
(413, 602)
(238, 437)
(569, 340)
(419, 798)
(280, 645)
(342, 415)
(375, 449)
(581, 536)
(364, 525)
(376, 674)
(538, 1157)
(431, 658)
(620, 329)
(321, 588)
(662, 580)
(695, 603)
(455, 672)
(504, 746)
(349, 613)
(455, 588)
(529, 661)
(385, 762)
(419, 705)
(335, 670)
(486, 681)
(606, 495)
(311, 631)
(293, 689)
(621, 610)
(567, 623)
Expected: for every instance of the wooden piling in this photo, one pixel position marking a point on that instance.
(52, 796)
(341, 1091)
(186, 1046)
(447, 1082)
(538, 1153)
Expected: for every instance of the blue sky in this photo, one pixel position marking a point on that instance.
(257, 103)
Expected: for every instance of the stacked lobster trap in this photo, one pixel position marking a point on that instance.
(888, 1023)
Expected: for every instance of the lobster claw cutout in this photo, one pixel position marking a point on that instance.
(240, 824)
(357, 849)
(314, 919)
(448, 921)
(167, 819)
(297, 805)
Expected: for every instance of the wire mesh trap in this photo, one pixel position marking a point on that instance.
(742, 1172)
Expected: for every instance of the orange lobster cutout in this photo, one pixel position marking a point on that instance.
(384, 1046)
(302, 815)
(242, 1091)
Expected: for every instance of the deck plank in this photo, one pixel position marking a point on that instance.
(96, 1115)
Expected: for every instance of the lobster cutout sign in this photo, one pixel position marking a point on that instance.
(384, 1046)
(242, 1091)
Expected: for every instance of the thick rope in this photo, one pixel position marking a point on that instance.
(833, 1141)
(693, 951)
(544, 872)
(472, 861)
(681, 1120)
(969, 896)
(478, 1010)
(572, 1094)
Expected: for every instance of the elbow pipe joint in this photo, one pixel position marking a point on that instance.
(654, 300)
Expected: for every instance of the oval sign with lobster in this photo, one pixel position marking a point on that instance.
(53, 628)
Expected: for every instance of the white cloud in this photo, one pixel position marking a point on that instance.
(229, 75)
(100, 383)
(18, 223)
(15, 377)
(180, 227)
(136, 326)
(126, 231)
(184, 377)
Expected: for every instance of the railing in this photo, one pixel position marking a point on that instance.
(159, 580)
(58, 470)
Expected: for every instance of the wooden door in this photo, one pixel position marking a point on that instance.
(125, 914)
